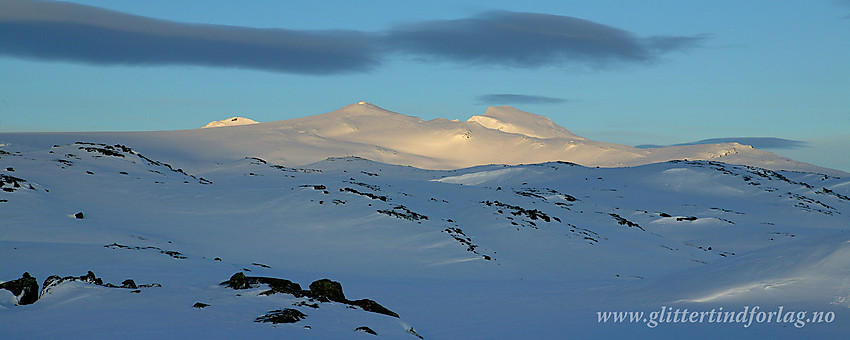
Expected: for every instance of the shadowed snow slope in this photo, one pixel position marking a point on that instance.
(503, 135)
(493, 252)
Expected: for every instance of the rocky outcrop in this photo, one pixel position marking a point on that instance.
(90, 278)
(286, 315)
(328, 289)
(324, 290)
(25, 289)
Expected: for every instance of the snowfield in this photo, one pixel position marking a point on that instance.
(499, 227)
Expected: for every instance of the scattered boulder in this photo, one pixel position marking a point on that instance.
(25, 288)
(129, 283)
(238, 281)
(80, 215)
(200, 305)
(328, 289)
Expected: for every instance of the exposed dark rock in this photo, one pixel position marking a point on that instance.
(25, 288)
(831, 192)
(91, 278)
(200, 305)
(106, 150)
(413, 331)
(286, 315)
(689, 218)
(172, 253)
(532, 214)
(329, 289)
(402, 212)
(306, 304)
(372, 306)
(50, 281)
(11, 183)
(80, 215)
(367, 194)
(365, 330)
(459, 236)
(623, 221)
(365, 185)
(238, 281)
(279, 286)
(323, 290)
(260, 160)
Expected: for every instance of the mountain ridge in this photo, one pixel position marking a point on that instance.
(502, 135)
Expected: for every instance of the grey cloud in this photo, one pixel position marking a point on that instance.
(60, 31)
(756, 142)
(506, 98)
(71, 32)
(529, 40)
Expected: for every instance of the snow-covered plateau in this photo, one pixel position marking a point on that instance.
(363, 223)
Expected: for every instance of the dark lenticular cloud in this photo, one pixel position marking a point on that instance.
(529, 40)
(71, 32)
(506, 98)
(756, 142)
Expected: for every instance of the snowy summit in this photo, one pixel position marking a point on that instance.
(232, 121)
(502, 135)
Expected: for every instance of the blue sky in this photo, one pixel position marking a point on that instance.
(629, 72)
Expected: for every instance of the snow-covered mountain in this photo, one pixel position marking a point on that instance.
(232, 121)
(147, 233)
(502, 135)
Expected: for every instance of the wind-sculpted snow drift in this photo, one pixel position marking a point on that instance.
(489, 251)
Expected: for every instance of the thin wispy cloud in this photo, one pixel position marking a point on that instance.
(57, 31)
(508, 98)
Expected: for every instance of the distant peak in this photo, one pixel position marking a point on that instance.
(364, 108)
(232, 121)
(365, 104)
(512, 120)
